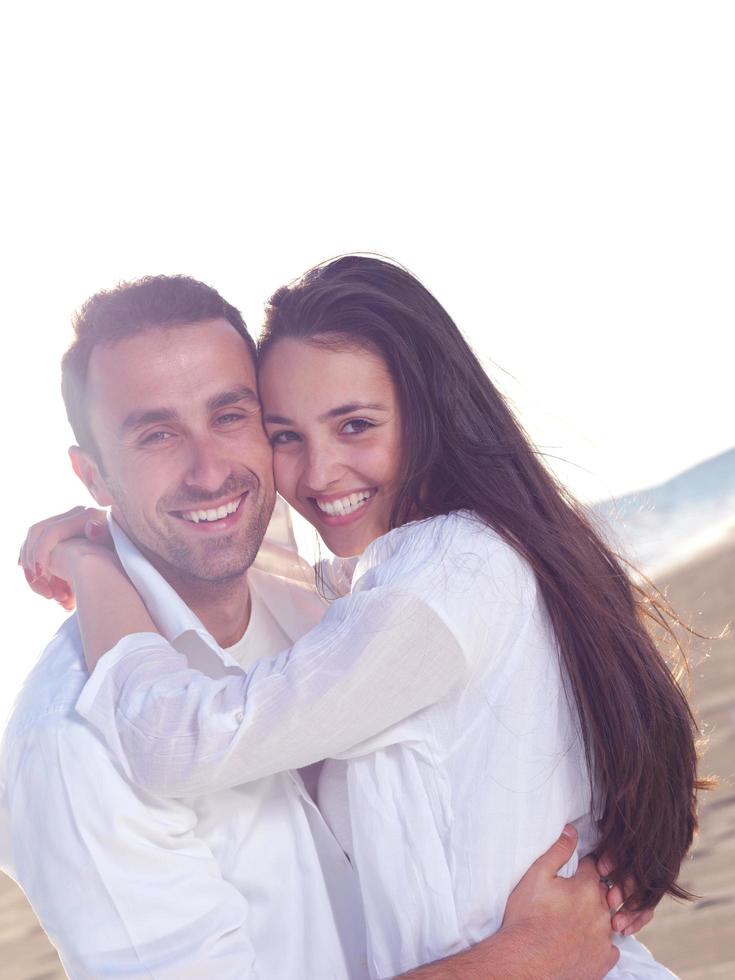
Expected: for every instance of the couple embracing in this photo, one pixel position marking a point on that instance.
(225, 766)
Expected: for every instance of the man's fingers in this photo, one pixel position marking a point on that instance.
(587, 874)
(628, 887)
(614, 957)
(605, 865)
(615, 897)
(628, 923)
(588, 869)
(560, 851)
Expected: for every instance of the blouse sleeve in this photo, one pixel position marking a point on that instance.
(431, 604)
(378, 656)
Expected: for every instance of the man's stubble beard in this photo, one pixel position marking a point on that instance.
(213, 566)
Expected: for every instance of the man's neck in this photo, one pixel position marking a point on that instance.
(223, 607)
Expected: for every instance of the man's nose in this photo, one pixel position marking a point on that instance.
(208, 466)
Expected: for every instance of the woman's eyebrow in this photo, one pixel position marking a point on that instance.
(333, 413)
(277, 419)
(350, 407)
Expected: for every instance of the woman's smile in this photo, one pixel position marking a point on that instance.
(343, 508)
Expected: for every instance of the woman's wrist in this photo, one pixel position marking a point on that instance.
(80, 563)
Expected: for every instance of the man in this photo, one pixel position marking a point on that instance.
(160, 389)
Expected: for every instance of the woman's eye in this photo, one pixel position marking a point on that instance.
(284, 437)
(354, 426)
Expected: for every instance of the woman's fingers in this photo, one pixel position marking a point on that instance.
(98, 532)
(39, 584)
(43, 537)
(62, 593)
(51, 587)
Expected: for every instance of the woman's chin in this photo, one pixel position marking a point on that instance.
(347, 542)
(342, 548)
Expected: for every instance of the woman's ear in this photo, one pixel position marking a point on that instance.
(88, 471)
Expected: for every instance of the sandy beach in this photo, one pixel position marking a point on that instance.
(697, 940)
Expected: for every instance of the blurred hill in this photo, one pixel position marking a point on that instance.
(664, 525)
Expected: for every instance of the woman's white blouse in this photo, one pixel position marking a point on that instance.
(433, 690)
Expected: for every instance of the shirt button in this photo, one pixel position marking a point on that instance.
(240, 717)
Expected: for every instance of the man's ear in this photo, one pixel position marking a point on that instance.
(88, 471)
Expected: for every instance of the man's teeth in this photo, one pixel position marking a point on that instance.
(345, 505)
(212, 515)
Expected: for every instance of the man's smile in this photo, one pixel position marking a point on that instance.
(212, 514)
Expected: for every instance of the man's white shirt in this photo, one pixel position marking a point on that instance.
(245, 882)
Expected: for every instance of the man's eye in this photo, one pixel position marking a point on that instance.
(354, 426)
(229, 417)
(154, 438)
(284, 437)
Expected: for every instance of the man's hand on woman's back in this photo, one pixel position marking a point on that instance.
(554, 928)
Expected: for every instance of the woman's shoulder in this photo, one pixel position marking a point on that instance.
(460, 542)
(456, 531)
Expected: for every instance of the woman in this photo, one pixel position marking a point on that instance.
(490, 654)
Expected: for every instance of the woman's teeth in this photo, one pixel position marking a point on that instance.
(212, 515)
(345, 505)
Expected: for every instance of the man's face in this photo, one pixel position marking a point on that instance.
(184, 460)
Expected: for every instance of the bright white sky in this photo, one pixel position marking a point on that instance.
(559, 174)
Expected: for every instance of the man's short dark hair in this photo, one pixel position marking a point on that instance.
(131, 308)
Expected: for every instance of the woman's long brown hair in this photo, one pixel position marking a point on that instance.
(465, 450)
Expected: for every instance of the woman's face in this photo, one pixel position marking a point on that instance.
(333, 419)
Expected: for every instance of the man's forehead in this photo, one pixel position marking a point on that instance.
(188, 362)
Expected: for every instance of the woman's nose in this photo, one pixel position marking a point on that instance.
(323, 468)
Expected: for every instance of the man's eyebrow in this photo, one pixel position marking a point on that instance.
(136, 420)
(333, 413)
(139, 419)
(241, 393)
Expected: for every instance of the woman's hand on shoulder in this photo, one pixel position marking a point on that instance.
(53, 545)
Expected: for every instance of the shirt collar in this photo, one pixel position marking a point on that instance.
(170, 613)
(290, 597)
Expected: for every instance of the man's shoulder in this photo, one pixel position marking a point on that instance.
(50, 691)
(47, 747)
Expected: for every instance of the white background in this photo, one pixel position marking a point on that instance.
(559, 174)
